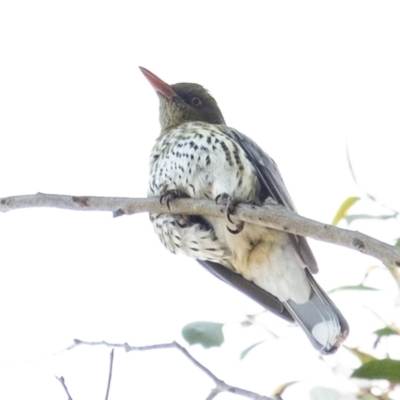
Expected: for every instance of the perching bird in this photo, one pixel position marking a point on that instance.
(197, 155)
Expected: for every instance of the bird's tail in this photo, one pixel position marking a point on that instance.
(320, 319)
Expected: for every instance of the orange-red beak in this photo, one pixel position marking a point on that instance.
(159, 85)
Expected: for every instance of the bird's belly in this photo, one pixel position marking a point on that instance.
(267, 258)
(203, 163)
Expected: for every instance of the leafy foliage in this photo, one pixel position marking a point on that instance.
(379, 369)
(343, 209)
(353, 287)
(386, 331)
(246, 351)
(362, 356)
(208, 334)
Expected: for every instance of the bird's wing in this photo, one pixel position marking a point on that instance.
(265, 299)
(272, 185)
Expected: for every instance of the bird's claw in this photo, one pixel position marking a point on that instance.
(231, 203)
(170, 195)
(222, 198)
(183, 221)
(239, 228)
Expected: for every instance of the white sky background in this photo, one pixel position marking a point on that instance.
(77, 117)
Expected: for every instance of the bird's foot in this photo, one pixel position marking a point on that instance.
(170, 195)
(183, 221)
(230, 203)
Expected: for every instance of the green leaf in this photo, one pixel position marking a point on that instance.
(354, 217)
(363, 357)
(346, 205)
(246, 351)
(386, 331)
(397, 242)
(353, 287)
(208, 334)
(379, 369)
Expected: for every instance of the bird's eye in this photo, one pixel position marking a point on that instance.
(196, 102)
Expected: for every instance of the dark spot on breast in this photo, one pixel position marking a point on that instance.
(228, 157)
(236, 154)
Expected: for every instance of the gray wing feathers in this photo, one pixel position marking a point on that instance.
(248, 288)
(272, 185)
(320, 319)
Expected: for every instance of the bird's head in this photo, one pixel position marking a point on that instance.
(183, 102)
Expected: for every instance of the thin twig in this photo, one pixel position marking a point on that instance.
(269, 215)
(110, 373)
(214, 393)
(62, 380)
(221, 386)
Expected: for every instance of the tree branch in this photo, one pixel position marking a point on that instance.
(220, 387)
(62, 381)
(110, 373)
(269, 215)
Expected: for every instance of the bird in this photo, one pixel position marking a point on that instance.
(197, 155)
